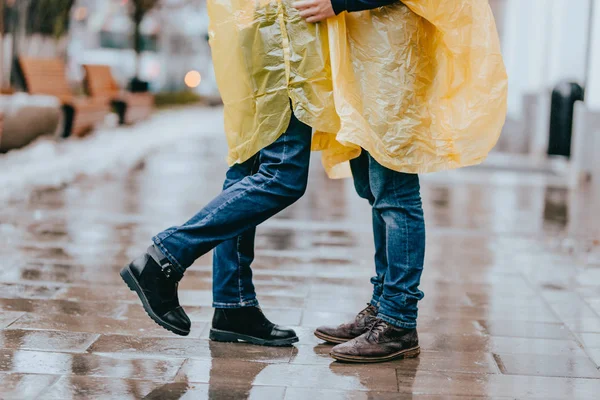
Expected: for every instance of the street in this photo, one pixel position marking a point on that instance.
(511, 282)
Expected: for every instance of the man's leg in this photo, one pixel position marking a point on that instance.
(281, 179)
(232, 275)
(393, 334)
(362, 184)
(398, 203)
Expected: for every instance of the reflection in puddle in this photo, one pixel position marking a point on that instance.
(556, 209)
(169, 391)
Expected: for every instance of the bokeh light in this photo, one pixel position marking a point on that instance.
(193, 79)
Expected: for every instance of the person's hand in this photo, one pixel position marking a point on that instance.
(314, 10)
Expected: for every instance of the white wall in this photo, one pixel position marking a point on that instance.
(593, 84)
(568, 37)
(544, 42)
(524, 48)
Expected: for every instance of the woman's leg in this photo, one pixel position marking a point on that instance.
(232, 275)
(280, 181)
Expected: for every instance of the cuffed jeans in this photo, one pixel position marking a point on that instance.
(253, 192)
(399, 234)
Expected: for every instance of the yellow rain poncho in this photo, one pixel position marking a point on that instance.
(420, 84)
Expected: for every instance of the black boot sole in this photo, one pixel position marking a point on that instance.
(232, 337)
(134, 286)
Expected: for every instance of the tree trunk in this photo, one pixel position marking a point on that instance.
(137, 43)
(1, 44)
(19, 34)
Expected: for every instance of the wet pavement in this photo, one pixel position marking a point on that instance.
(512, 306)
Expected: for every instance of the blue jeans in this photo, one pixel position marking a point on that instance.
(254, 191)
(399, 234)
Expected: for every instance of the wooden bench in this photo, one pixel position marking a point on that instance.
(48, 76)
(131, 107)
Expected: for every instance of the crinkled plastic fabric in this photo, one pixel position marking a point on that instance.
(420, 84)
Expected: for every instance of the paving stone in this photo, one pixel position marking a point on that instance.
(590, 340)
(43, 362)
(595, 356)
(474, 363)
(75, 308)
(509, 345)
(96, 294)
(590, 325)
(102, 325)
(544, 365)
(8, 317)
(188, 348)
(513, 386)
(96, 388)
(194, 391)
(36, 272)
(307, 354)
(526, 329)
(293, 393)
(535, 346)
(24, 386)
(18, 291)
(46, 340)
(85, 387)
(332, 377)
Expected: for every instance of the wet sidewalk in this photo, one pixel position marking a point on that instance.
(512, 285)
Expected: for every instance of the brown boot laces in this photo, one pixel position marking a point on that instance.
(370, 309)
(376, 327)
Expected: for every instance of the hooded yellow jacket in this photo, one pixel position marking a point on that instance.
(419, 84)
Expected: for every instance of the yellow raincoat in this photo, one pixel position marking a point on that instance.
(420, 84)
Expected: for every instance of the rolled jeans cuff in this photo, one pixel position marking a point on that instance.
(176, 264)
(245, 303)
(396, 322)
(375, 301)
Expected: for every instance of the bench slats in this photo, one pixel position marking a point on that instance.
(132, 107)
(48, 76)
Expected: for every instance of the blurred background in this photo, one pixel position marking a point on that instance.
(156, 41)
(552, 53)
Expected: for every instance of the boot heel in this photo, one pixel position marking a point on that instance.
(128, 278)
(222, 336)
(412, 353)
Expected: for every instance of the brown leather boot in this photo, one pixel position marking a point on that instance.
(349, 331)
(381, 342)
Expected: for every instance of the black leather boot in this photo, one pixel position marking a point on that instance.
(249, 324)
(155, 281)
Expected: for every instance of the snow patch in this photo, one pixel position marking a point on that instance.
(51, 163)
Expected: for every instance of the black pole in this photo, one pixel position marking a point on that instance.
(19, 33)
(1, 44)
